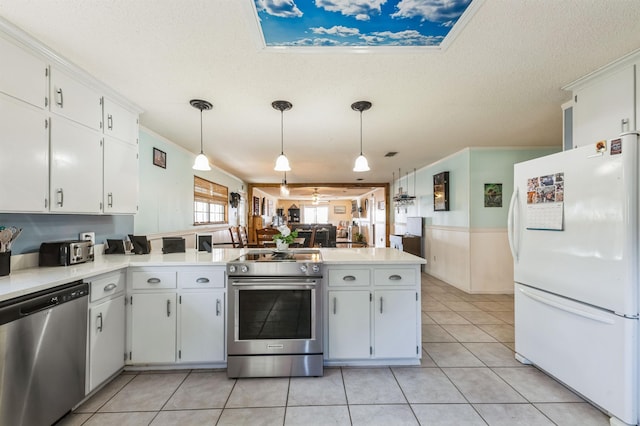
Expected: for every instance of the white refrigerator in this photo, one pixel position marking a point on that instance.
(573, 233)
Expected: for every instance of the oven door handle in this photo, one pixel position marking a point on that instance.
(268, 283)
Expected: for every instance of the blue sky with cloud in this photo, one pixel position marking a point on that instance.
(358, 22)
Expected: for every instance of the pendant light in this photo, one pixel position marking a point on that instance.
(282, 163)
(202, 162)
(361, 164)
(284, 189)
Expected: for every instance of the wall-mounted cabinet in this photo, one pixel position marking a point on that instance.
(605, 102)
(24, 76)
(76, 161)
(54, 159)
(24, 162)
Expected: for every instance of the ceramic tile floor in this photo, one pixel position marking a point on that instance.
(468, 376)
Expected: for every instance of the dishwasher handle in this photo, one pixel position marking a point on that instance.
(29, 304)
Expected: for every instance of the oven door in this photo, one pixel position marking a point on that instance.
(274, 316)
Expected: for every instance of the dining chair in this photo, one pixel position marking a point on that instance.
(264, 236)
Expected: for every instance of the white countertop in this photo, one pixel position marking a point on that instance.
(25, 281)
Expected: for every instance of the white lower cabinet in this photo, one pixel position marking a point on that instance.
(106, 323)
(373, 313)
(106, 337)
(202, 326)
(395, 324)
(177, 315)
(153, 328)
(349, 324)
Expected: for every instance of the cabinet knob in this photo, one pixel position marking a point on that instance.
(395, 277)
(348, 278)
(202, 280)
(153, 280)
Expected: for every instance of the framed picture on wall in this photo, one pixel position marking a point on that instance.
(339, 209)
(441, 192)
(493, 195)
(256, 206)
(159, 158)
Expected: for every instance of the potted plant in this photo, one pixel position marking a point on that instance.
(285, 237)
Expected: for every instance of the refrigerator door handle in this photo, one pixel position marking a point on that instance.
(565, 308)
(512, 225)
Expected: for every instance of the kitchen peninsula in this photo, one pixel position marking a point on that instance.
(176, 307)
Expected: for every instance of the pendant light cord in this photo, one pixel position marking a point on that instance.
(360, 132)
(281, 132)
(201, 143)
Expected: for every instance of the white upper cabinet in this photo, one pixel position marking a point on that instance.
(119, 122)
(76, 168)
(120, 176)
(72, 99)
(606, 102)
(24, 161)
(605, 108)
(22, 75)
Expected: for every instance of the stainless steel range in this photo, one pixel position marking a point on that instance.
(275, 323)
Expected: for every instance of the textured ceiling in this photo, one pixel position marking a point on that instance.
(497, 84)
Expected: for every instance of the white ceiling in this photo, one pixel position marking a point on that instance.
(497, 84)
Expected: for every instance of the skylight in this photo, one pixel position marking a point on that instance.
(358, 23)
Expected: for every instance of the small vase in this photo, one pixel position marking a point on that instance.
(281, 245)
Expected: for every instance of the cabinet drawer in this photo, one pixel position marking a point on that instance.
(107, 285)
(149, 280)
(349, 277)
(202, 278)
(395, 276)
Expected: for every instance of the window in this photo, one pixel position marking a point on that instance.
(315, 214)
(209, 202)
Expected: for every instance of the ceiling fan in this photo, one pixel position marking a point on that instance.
(315, 198)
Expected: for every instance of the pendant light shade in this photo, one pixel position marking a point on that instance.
(361, 164)
(282, 162)
(202, 162)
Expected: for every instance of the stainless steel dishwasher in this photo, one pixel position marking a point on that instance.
(43, 339)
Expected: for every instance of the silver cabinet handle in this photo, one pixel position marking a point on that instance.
(168, 308)
(395, 277)
(624, 125)
(334, 305)
(153, 280)
(380, 304)
(110, 122)
(110, 287)
(348, 278)
(110, 199)
(60, 100)
(202, 280)
(60, 196)
(218, 305)
(100, 318)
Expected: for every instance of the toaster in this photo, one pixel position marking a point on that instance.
(63, 253)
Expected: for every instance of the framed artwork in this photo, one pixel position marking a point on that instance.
(339, 209)
(256, 206)
(441, 192)
(493, 195)
(380, 205)
(159, 158)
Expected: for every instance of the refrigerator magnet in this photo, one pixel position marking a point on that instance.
(601, 146)
(616, 146)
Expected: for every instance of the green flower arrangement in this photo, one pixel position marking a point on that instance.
(285, 235)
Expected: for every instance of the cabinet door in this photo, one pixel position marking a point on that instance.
(395, 324)
(202, 325)
(106, 340)
(120, 176)
(24, 141)
(153, 328)
(349, 324)
(119, 122)
(22, 75)
(76, 168)
(601, 107)
(74, 100)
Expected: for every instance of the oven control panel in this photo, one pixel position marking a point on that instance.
(303, 269)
